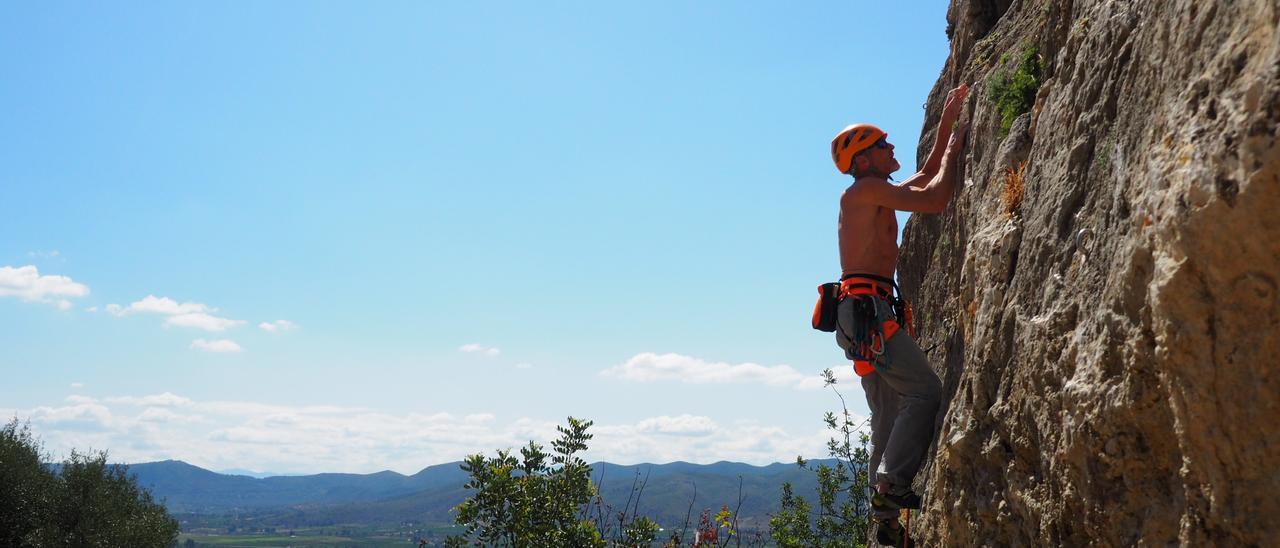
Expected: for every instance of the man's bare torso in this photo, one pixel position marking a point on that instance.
(868, 238)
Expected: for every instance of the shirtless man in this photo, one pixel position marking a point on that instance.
(902, 390)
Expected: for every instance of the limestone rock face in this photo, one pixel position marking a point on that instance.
(1109, 343)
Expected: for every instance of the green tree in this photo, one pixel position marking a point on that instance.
(86, 503)
(26, 487)
(843, 490)
(540, 499)
(534, 500)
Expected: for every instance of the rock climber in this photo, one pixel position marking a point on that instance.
(902, 390)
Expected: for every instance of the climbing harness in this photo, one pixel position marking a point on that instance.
(879, 311)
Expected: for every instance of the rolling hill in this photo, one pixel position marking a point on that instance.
(665, 492)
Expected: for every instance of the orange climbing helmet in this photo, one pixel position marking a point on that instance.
(854, 139)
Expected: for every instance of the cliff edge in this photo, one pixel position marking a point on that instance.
(1104, 287)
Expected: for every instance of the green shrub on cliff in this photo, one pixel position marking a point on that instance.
(1013, 88)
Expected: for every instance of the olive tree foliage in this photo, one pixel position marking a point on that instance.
(843, 505)
(86, 502)
(540, 498)
(26, 488)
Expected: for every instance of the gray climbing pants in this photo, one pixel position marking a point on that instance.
(904, 395)
(904, 399)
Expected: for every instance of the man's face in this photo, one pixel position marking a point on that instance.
(879, 158)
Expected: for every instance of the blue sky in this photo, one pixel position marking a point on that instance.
(473, 220)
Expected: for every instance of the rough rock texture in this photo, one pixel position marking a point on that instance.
(1109, 350)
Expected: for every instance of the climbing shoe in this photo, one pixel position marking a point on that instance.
(888, 532)
(888, 501)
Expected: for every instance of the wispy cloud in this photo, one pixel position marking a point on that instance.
(524, 365)
(166, 399)
(158, 305)
(217, 345)
(688, 425)
(41, 254)
(26, 283)
(200, 320)
(220, 434)
(474, 348)
(77, 385)
(187, 314)
(653, 367)
(278, 325)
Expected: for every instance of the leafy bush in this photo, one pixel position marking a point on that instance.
(843, 491)
(86, 503)
(535, 500)
(548, 499)
(1013, 88)
(541, 499)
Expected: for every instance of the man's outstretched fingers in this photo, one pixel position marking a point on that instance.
(957, 136)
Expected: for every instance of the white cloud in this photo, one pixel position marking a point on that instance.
(683, 425)
(216, 345)
(278, 325)
(161, 414)
(26, 283)
(91, 309)
(524, 365)
(474, 348)
(325, 438)
(653, 367)
(159, 305)
(480, 418)
(188, 314)
(77, 385)
(83, 412)
(38, 254)
(167, 399)
(200, 320)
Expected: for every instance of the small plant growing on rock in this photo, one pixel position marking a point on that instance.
(1014, 187)
(1103, 159)
(1013, 88)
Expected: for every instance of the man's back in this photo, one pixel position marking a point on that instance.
(868, 236)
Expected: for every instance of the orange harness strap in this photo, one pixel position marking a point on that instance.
(865, 286)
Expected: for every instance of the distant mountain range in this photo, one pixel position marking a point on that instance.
(252, 473)
(665, 492)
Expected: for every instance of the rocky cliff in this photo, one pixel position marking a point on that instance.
(1105, 284)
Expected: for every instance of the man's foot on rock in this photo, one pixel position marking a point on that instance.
(888, 532)
(888, 501)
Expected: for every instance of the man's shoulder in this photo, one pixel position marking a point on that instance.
(862, 185)
(869, 180)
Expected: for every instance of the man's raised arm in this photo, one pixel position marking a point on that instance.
(950, 111)
(931, 197)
